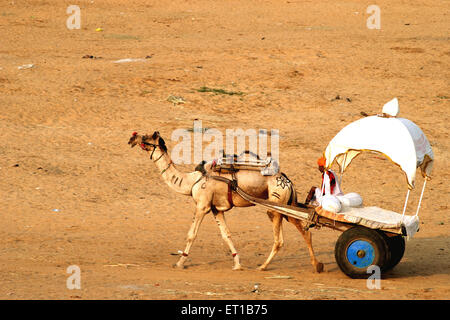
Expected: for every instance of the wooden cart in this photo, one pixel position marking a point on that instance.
(371, 235)
(359, 246)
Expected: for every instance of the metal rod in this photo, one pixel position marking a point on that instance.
(342, 170)
(406, 203)
(421, 195)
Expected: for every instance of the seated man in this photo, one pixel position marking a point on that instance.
(330, 185)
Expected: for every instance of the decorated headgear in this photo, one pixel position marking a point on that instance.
(321, 162)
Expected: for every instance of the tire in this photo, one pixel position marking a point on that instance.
(396, 246)
(358, 248)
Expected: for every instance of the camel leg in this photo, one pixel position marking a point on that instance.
(192, 234)
(277, 237)
(307, 235)
(226, 236)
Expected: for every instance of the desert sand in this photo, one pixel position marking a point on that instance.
(74, 193)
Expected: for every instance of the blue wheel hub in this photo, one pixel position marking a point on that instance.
(360, 254)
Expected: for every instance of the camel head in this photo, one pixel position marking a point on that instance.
(135, 139)
(148, 142)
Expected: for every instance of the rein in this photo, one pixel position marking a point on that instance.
(168, 166)
(151, 155)
(152, 145)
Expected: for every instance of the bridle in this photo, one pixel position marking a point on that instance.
(143, 144)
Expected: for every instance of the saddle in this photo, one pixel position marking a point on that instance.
(231, 164)
(247, 160)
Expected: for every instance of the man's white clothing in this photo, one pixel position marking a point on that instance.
(330, 186)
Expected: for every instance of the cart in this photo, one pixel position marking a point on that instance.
(370, 235)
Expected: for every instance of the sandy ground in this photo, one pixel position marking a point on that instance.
(74, 193)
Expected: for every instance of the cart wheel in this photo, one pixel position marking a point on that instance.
(358, 248)
(396, 245)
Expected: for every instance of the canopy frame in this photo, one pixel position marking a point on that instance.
(344, 166)
(384, 134)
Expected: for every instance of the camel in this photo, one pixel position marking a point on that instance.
(215, 196)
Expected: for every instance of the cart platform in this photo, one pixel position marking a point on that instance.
(374, 218)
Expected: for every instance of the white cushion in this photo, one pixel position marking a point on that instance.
(331, 203)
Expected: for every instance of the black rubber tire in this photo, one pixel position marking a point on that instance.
(396, 246)
(373, 237)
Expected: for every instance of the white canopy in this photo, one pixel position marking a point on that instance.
(401, 140)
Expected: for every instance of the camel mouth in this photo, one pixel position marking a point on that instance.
(133, 140)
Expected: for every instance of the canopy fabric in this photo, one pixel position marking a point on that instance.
(399, 139)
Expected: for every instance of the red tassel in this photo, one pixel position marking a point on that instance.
(134, 133)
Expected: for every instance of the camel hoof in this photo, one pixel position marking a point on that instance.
(319, 267)
(261, 268)
(238, 268)
(176, 265)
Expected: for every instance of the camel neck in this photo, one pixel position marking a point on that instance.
(178, 181)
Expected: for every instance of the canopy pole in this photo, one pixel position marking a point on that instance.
(342, 169)
(406, 203)
(421, 195)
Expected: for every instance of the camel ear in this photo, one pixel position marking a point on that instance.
(162, 144)
(155, 135)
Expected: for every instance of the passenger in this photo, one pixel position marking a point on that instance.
(330, 185)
